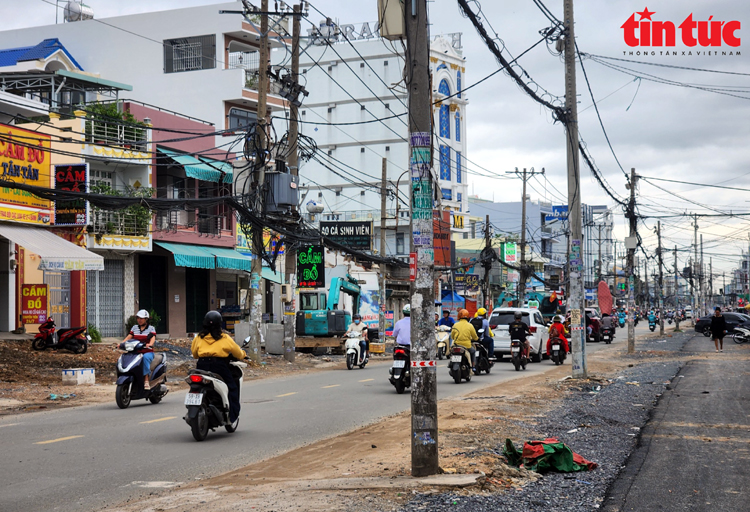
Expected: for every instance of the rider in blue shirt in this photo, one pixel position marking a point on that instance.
(446, 320)
(402, 329)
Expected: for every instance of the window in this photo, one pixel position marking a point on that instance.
(445, 124)
(445, 163)
(362, 193)
(400, 243)
(190, 53)
(385, 63)
(387, 148)
(361, 150)
(241, 119)
(362, 64)
(459, 170)
(444, 88)
(459, 198)
(458, 127)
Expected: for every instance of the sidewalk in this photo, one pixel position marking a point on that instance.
(693, 453)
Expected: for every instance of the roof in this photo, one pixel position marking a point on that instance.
(13, 56)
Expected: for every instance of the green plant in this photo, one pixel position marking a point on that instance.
(130, 322)
(251, 81)
(103, 122)
(96, 336)
(154, 319)
(135, 217)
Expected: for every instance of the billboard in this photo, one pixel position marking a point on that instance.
(441, 234)
(311, 267)
(353, 234)
(558, 213)
(73, 177)
(27, 165)
(466, 283)
(510, 253)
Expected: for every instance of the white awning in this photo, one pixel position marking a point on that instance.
(56, 253)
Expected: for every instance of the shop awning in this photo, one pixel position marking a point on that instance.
(269, 274)
(229, 258)
(56, 253)
(201, 167)
(193, 256)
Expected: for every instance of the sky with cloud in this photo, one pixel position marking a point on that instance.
(668, 131)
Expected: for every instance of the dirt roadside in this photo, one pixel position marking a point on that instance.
(314, 477)
(31, 380)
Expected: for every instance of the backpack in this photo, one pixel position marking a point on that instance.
(477, 324)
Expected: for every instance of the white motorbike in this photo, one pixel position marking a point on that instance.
(442, 340)
(354, 357)
(207, 401)
(741, 334)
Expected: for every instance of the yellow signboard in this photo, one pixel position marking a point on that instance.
(245, 245)
(24, 158)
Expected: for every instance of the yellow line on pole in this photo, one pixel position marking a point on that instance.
(160, 419)
(58, 440)
(287, 394)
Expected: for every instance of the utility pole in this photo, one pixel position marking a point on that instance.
(693, 267)
(710, 280)
(631, 261)
(661, 283)
(382, 250)
(575, 255)
(599, 269)
(647, 294)
(256, 296)
(488, 265)
(290, 257)
(424, 427)
(702, 277)
(676, 282)
(724, 288)
(614, 270)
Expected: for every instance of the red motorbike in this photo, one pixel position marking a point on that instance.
(75, 339)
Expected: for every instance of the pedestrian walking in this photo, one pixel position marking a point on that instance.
(718, 329)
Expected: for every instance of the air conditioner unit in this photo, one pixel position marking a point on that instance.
(286, 293)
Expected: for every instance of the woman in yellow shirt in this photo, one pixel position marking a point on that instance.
(463, 334)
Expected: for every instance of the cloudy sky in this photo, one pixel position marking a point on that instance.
(664, 131)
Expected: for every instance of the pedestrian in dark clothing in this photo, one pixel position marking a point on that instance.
(718, 329)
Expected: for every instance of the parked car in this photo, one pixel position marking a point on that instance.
(688, 312)
(501, 318)
(703, 325)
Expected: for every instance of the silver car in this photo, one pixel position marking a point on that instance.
(501, 318)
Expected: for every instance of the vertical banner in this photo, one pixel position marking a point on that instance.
(75, 178)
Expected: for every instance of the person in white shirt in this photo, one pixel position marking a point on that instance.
(402, 329)
(360, 328)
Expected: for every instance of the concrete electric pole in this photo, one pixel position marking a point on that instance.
(693, 272)
(661, 283)
(381, 249)
(424, 438)
(523, 275)
(290, 257)
(631, 261)
(575, 255)
(487, 267)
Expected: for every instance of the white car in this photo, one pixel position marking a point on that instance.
(688, 312)
(501, 318)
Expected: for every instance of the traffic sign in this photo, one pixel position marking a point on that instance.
(423, 364)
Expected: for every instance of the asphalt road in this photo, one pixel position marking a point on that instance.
(83, 458)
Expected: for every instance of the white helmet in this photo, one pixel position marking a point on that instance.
(142, 314)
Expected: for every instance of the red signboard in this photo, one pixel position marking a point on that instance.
(33, 303)
(412, 266)
(441, 235)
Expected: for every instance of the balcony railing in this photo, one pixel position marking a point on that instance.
(104, 133)
(203, 224)
(121, 222)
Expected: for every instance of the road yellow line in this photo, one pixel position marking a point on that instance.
(366, 380)
(58, 440)
(287, 394)
(9, 425)
(160, 419)
(331, 386)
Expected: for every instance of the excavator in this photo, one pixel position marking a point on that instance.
(320, 316)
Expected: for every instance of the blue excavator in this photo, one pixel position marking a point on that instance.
(319, 313)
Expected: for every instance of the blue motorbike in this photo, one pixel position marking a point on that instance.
(652, 323)
(130, 375)
(621, 319)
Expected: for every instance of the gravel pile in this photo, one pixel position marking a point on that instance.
(602, 424)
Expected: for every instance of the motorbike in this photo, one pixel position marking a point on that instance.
(741, 335)
(483, 363)
(442, 339)
(400, 372)
(460, 364)
(130, 375)
(518, 355)
(558, 354)
(75, 339)
(353, 349)
(652, 324)
(621, 320)
(207, 401)
(608, 334)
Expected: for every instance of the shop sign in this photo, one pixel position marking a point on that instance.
(466, 283)
(33, 303)
(389, 323)
(510, 252)
(441, 236)
(27, 165)
(75, 178)
(355, 235)
(244, 245)
(311, 267)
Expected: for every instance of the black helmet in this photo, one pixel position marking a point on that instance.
(212, 320)
(517, 315)
(357, 317)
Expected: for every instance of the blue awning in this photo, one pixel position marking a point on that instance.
(229, 258)
(193, 256)
(201, 167)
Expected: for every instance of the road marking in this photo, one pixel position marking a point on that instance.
(160, 419)
(287, 394)
(156, 485)
(366, 380)
(10, 425)
(331, 386)
(58, 440)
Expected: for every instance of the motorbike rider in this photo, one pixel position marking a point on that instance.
(446, 320)
(463, 334)
(607, 322)
(486, 339)
(212, 348)
(557, 330)
(518, 330)
(144, 332)
(361, 329)
(402, 329)
(651, 317)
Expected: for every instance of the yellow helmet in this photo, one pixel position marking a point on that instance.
(481, 312)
